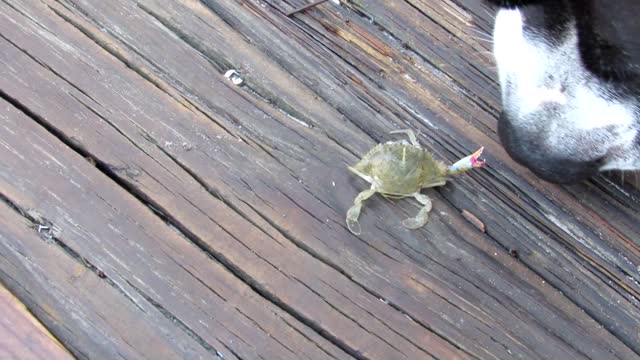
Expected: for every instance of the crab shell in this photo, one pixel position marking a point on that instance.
(400, 169)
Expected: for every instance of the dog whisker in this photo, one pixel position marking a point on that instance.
(492, 16)
(481, 32)
(481, 39)
(485, 39)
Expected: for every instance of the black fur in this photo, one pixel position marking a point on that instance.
(608, 37)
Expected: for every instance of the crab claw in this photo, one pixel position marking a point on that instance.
(467, 163)
(474, 158)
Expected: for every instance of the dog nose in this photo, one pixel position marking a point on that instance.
(530, 149)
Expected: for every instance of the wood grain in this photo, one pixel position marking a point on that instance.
(22, 336)
(216, 212)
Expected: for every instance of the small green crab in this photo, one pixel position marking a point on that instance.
(399, 169)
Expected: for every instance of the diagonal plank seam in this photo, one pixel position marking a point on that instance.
(254, 89)
(553, 284)
(545, 227)
(554, 231)
(266, 293)
(409, 340)
(219, 64)
(350, 317)
(227, 264)
(434, 68)
(141, 70)
(37, 223)
(181, 325)
(13, 285)
(256, 324)
(105, 169)
(254, 285)
(402, 106)
(307, 337)
(369, 291)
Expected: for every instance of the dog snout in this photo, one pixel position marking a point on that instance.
(530, 148)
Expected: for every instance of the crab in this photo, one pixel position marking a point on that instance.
(400, 169)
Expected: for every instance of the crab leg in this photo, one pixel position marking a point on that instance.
(412, 136)
(423, 215)
(354, 211)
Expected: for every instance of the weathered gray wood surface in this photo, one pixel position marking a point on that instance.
(152, 208)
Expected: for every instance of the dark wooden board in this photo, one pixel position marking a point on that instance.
(93, 319)
(174, 287)
(202, 189)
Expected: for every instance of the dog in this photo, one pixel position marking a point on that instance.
(569, 73)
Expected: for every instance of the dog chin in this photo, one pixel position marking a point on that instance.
(559, 119)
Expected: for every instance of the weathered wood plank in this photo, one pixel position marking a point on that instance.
(238, 162)
(22, 336)
(145, 260)
(265, 271)
(93, 319)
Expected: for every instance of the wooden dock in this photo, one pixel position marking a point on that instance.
(151, 207)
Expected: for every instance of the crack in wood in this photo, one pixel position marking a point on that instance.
(346, 315)
(382, 322)
(180, 324)
(250, 281)
(528, 218)
(108, 171)
(118, 53)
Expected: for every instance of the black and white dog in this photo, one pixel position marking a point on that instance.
(570, 77)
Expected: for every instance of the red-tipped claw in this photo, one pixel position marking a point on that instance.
(467, 163)
(474, 158)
